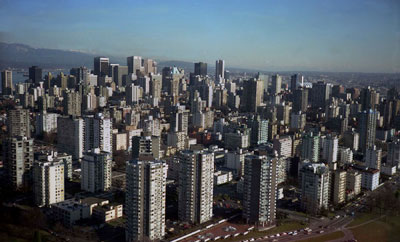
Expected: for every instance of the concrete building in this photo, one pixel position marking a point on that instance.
(315, 186)
(373, 158)
(339, 186)
(107, 212)
(234, 160)
(18, 160)
(345, 155)
(353, 183)
(367, 129)
(369, 178)
(70, 136)
(101, 66)
(330, 148)
(96, 171)
(98, 133)
(259, 130)
(196, 186)
(276, 84)
(393, 153)
(6, 82)
(238, 139)
(260, 190)
(219, 70)
(283, 145)
(252, 97)
(18, 122)
(46, 122)
(310, 147)
(48, 182)
(72, 102)
(298, 120)
(145, 199)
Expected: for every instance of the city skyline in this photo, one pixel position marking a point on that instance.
(361, 36)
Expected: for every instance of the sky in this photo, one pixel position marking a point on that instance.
(270, 35)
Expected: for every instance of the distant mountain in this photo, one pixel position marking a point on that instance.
(16, 55)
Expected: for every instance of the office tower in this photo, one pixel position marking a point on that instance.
(80, 73)
(260, 189)
(48, 182)
(18, 122)
(373, 158)
(276, 84)
(133, 94)
(156, 86)
(121, 75)
(319, 95)
(134, 64)
(195, 191)
(18, 159)
(150, 66)
(179, 119)
(252, 95)
(62, 81)
(96, 171)
(6, 82)
(300, 100)
(330, 148)
(296, 80)
(200, 69)
(393, 154)
(145, 199)
(339, 186)
(98, 133)
(310, 147)
(72, 103)
(101, 66)
(35, 74)
(259, 130)
(142, 146)
(283, 146)
(113, 72)
(70, 136)
(219, 70)
(298, 120)
(283, 113)
(314, 186)
(367, 129)
(369, 98)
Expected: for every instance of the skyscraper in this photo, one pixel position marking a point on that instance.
(300, 100)
(96, 171)
(260, 188)
(330, 148)
(142, 146)
(101, 66)
(6, 82)
(252, 95)
(180, 119)
(276, 84)
(200, 69)
(393, 154)
(135, 64)
(219, 70)
(195, 192)
(145, 199)
(35, 74)
(48, 181)
(367, 129)
(18, 160)
(70, 136)
(98, 133)
(319, 94)
(18, 122)
(296, 80)
(310, 147)
(259, 130)
(314, 186)
(72, 103)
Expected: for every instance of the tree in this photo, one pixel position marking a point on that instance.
(37, 237)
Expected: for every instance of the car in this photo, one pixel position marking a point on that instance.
(321, 231)
(284, 233)
(277, 235)
(294, 234)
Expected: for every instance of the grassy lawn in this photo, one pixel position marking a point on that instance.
(362, 218)
(287, 226)
(385, 229)
(15, 233)
(326, 237)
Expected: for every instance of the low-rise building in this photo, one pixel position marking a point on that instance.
(222, 177)
(107, 212)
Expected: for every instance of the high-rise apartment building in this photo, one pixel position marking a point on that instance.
(48, 182)
(373, 158)
(310, 147)
(296, 80)
(195, 190)
(253, 93)
(314, 186)
(142, 146)
(145, 199)
(180, 119)
(367, 129)
(259, 130)
(135, 64)
(330, 148)
(6, 82)
(98, 132)
(72, 103)
(339, 186)
(300, 100)
(393, 154)
(18, 122)
(319, 94)
(70, 136)
(260, 189)
(18, 160)
(283, 146)
(96, 171)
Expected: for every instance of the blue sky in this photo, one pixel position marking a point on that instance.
(326, 35)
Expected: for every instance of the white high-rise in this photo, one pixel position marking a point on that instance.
(48, 180)
(330, 149)
(98, 133)
(96, 171)
(145, 199)
(219, 70)
(196, 186)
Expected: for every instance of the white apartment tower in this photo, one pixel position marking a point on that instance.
(98, 133)
(145, 199)
(196, 186)
(330, 149)
(48, 180)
